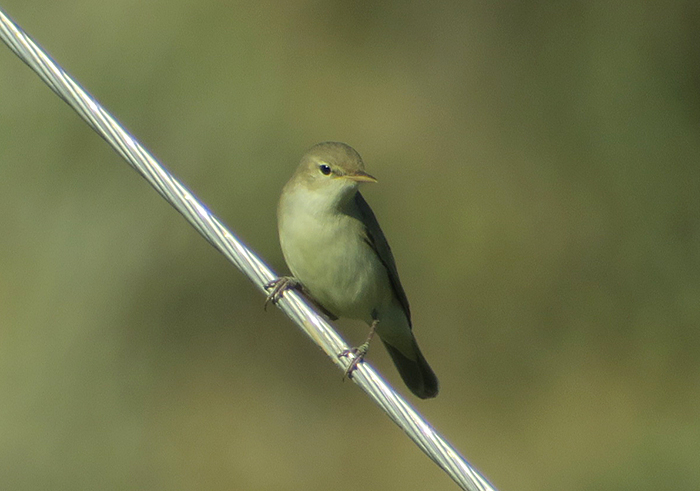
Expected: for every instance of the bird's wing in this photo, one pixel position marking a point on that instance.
(376, 240)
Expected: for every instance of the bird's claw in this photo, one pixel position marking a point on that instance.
(359, 355)
(277, 287)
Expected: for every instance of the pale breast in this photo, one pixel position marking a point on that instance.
(327, 253)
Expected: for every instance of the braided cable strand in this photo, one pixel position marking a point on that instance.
(441, 452)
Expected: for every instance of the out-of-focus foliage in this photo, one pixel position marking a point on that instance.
(539, 184)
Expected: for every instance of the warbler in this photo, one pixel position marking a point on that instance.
(337, 252)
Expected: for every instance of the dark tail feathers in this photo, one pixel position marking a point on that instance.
(416, 374)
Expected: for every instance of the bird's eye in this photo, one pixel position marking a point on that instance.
(325, 169)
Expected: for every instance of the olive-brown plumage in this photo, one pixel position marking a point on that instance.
(334, 246)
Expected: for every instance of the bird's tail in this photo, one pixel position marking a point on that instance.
(416, 374)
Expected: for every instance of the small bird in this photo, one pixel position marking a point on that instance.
(338, 254)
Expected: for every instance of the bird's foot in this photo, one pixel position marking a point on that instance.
(277, 287)
(359, 355)
(359, 352)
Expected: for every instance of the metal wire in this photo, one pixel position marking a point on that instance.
(315, 326)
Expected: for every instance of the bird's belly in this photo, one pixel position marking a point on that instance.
(338, 268)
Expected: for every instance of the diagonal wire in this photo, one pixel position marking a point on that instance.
(315, 326)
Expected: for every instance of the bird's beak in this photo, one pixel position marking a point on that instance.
(361, 176)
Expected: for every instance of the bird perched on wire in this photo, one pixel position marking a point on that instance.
(337, 252)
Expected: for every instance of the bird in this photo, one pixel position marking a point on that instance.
(338, 255)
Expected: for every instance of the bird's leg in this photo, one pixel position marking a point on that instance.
(360, 351)
(277, 288)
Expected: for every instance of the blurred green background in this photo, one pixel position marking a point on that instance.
(539, 183)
